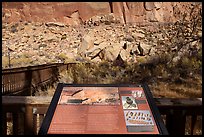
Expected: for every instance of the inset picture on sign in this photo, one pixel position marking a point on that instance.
(137, 93)
(138, 120)
(129, 102)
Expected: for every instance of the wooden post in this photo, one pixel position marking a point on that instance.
(35, 124)
(41, 117)
(28, 129)
(74, 74)
(67, 66)
(15, 123)
(9, 65)
(29, 81)
(4, 123)
(21, 123)
(193, 122)
(175, 122)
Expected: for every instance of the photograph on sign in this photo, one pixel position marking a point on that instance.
(137, 93)
(129, 102)
(90, 95)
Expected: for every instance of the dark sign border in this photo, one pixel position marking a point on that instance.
(53, 104)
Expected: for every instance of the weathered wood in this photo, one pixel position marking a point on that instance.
(28, 120)
(176, 111)
(16, 81)
(193, 122)
(21, 123)
(30, 100)
(35, 124)
(41, 117)
(40, 110)
(4, 123)
(15, 123)
(35, 107)
(175, 122)
(28, 81)
(26, 104)
(160, 102)
(165, 105)
(181, 102)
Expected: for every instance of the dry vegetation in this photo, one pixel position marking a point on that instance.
(171, 73)
(161, 86)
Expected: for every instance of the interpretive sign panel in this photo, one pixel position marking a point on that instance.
(102, 109)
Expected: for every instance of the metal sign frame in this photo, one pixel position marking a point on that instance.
(54, 102)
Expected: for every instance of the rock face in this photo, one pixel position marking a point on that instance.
(48, 38)
(66, 12)
(76, 13)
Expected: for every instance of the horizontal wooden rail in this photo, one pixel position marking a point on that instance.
(37, 67)
(34, 109)
(176, 111)
(30, 106)
(24, 80)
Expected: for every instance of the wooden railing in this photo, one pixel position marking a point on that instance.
(25, 80)
(25, 113)
(178, 112)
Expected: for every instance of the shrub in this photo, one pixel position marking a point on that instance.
(62, 57)
(5, 62)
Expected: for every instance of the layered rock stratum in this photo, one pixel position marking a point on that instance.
(75, 13)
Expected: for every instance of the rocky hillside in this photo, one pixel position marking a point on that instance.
(99, 38)
(39, 43)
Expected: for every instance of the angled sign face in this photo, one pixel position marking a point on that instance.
(102, 109)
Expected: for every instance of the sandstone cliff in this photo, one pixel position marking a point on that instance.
(75, 13)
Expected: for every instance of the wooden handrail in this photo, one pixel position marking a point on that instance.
(37, 67)
(35, 107)
(188, 104)
(176, 110)
(20, 81)
(28, 105)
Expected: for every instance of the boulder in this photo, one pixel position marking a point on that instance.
(93, 52)
(145, 47)
(87, 43)
(112, 52)
(138, 35)
(50, 38)
(124, 54)
(152, 51)
(96, 59)
(98, 41)
(128, 38)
